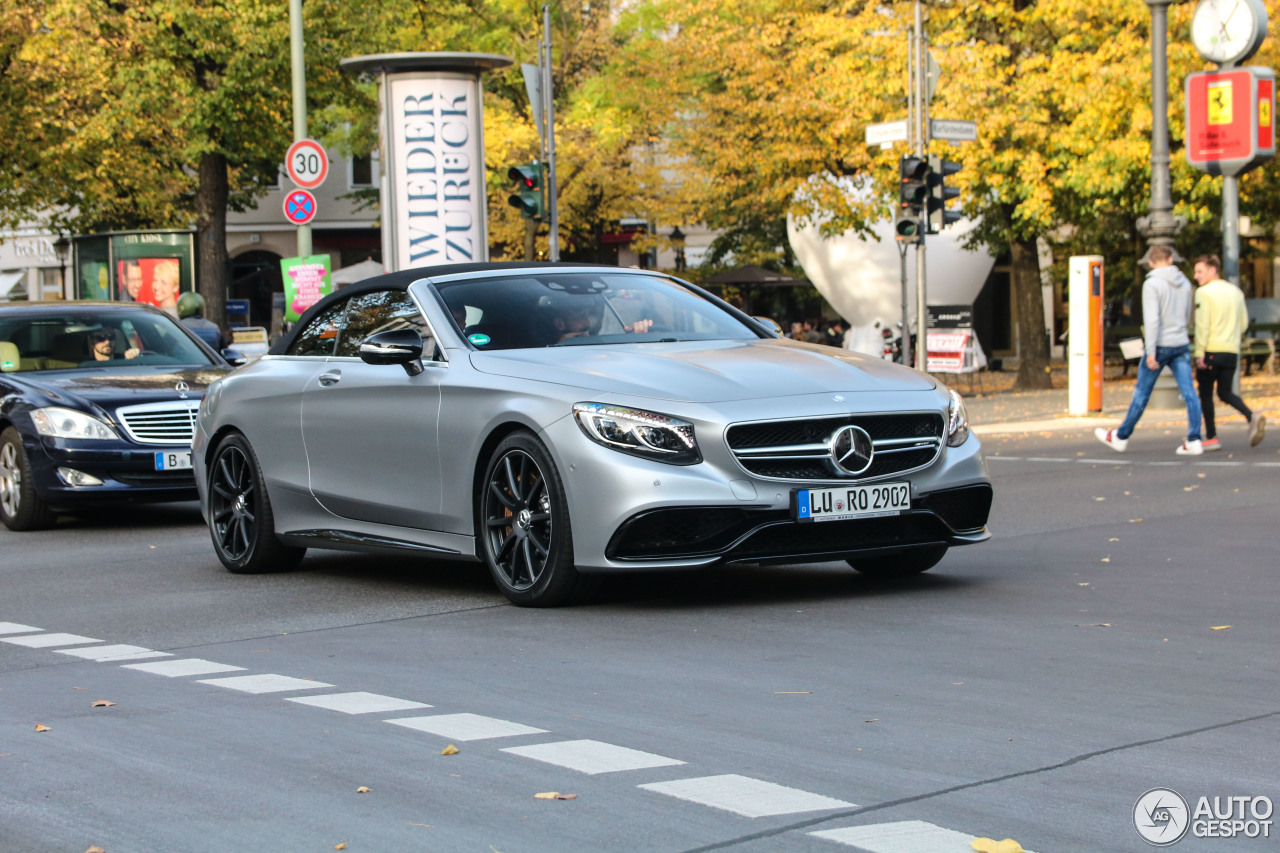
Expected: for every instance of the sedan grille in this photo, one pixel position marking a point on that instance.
(160, 423)
(801, 449)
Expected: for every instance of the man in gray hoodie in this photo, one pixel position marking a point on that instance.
(1167, 306)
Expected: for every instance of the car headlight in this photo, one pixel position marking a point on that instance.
(648, 435)
(957, 422)
(58, 422)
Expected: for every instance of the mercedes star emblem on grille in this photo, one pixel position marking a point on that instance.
(182, 388)
(851, 450)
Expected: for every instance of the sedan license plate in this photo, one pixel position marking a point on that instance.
(845, 502)
(173, 460)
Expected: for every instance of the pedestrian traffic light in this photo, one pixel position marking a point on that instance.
(529, 198)
(912, 196)
(940, 194)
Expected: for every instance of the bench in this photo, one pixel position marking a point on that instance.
(1259, 346)
(1111, 338)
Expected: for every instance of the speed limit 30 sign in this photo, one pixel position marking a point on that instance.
(307, 163)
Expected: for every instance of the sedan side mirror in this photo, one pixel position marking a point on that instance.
(398, 346)
(770, 324)
(234, 357)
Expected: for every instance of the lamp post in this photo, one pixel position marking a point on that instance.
(61, 248)
(677, 243)
(1160, 226)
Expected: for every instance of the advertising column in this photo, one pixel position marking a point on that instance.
(432, 147)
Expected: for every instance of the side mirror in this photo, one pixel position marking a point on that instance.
(398, 346)
(770, 324)
(234, 357)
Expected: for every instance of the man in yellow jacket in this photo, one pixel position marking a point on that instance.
(1220, 323)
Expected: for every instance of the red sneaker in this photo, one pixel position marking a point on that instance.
(1210, 444)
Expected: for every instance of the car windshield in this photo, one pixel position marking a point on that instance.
(77, 339)
(586, 309)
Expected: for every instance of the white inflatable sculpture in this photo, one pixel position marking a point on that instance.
(860, 276)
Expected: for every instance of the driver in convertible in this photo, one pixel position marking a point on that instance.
(575, 317)
(102, 344)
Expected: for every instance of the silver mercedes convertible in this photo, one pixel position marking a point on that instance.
(561, 421)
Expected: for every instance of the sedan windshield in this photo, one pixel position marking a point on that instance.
(586, 309)
(104, 340)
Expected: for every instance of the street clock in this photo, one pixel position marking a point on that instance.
(1228, 31)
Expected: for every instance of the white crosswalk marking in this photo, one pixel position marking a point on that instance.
(44, 641)
(266, 683)
(358, 703)
(592, 756)
(466, 726)
(186, 666)
(746, 796)
(15, 628)
(114, 653)
(908, 836)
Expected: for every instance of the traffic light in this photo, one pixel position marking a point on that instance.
(940, 194)
(912, 196)
(529, 198)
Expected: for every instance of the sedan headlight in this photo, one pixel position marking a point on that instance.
(58, 422)
(957, 422)
(648, 435)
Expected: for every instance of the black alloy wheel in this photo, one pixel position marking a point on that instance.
(20, 507)
(240, 519)
(525, 532)
(902, 565)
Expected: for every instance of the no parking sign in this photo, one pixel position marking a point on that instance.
(299, 207)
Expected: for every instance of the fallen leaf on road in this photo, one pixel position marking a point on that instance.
(986, 845)
(1099, 499)
(1106, 559)
(41, 727)
(449, 750)
(1113, 539)
(1220, 628)
(1082, 584)
(792, 692)
(1096, 625)
(1190, 488)
(342, 846)
(95, 849)
(103, 703)
(875, 720)
(555, 795)
(1134, 520)
(1201, 476)
(79, 688)
(362, 790)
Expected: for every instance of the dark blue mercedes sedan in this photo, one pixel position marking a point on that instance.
(97, 404)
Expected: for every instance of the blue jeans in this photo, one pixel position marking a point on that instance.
(1178, 359)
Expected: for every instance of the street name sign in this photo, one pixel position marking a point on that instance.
(887, 132)
(299, 207)
(1230, 119)
(307, 163)
(954, 129)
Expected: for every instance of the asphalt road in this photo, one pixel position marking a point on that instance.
(1031, 688)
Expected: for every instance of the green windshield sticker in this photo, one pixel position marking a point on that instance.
(478, 339)
(10, 365)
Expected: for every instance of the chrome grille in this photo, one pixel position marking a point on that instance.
(800, 449)
(160, 423)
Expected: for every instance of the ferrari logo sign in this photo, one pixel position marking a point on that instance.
(1220, 102)
(1230, 119)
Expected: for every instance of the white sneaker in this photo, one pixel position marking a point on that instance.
(1257, 428)
(1190, 448)
(1110, 439)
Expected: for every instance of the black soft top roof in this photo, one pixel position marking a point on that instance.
(401, 280)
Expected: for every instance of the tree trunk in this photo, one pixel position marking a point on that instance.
(211, 238)
(1033, 345)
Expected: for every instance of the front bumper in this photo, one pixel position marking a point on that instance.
(128, 472)
(631, 514)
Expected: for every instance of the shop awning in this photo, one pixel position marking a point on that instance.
(11, 284)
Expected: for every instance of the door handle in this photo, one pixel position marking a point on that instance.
(331, 378)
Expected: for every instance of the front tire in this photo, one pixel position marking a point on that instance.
(240, 519)
(524, 531)
(902, 565)
(20, 507)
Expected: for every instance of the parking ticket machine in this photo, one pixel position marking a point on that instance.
(1084, 345)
